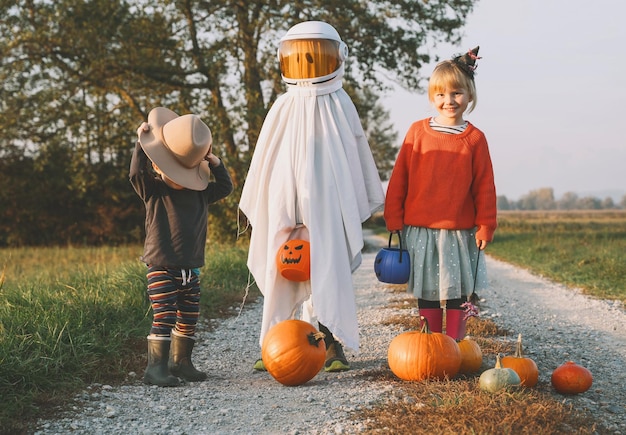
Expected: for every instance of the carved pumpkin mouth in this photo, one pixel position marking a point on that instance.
(290, 260)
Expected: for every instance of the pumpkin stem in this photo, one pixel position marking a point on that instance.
(519, 352)
(498, 364)
(425, 328)
(315, 338)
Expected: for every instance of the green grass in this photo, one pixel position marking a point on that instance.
(73, 316)
(579, 249)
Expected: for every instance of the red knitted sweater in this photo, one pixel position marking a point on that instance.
(442, 181)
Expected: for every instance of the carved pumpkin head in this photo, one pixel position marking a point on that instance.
(294, 260)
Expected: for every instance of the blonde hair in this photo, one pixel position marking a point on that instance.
(448, 74)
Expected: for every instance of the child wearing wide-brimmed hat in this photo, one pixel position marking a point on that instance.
(176, 198)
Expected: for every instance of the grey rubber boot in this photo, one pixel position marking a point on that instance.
(157, 372)
(180, 359)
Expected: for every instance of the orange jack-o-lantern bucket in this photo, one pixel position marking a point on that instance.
(293, 260)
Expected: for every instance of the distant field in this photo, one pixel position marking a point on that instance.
(56, 264)
(585, 249)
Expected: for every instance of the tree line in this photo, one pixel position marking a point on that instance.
(544, 199)
(79, 76)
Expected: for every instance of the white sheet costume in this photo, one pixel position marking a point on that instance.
(312, 165)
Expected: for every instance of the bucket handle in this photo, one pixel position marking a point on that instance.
(391, 233)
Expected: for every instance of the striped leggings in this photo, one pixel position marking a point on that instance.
(175, 298)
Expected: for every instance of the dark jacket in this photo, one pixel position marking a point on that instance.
(176, 220)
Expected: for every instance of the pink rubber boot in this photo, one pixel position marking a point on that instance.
(455, 324)
(434, 316)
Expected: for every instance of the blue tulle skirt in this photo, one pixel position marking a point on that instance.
(443, 263)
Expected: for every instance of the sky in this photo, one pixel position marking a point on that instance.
(551, 88)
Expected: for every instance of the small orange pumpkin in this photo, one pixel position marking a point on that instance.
(293, 352)
(571, 378)
(525, 367)
(419, 355)
(293, 260)
(471, 356)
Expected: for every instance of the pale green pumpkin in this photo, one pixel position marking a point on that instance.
(498, 378)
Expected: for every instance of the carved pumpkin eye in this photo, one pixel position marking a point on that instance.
(297, 248)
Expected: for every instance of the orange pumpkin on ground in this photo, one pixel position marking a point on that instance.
(420, 355)
(293, 352)
(525, 367)
(571, 378)
(471, 356)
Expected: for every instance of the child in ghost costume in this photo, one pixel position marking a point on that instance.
(312, 177)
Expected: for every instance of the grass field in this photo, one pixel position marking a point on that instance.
(71, 316)
(585, 249)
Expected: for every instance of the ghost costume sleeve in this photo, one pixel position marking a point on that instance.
(312, 165)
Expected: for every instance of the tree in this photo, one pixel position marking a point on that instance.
(589, 203)
(569, 201)
(607, 203)
(540, 199)
(503, 203)
(82, 75)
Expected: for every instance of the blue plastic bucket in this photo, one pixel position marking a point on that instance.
(392, 265)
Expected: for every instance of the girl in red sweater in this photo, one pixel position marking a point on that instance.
(442, 197)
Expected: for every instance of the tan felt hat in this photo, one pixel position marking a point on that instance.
(178, 145)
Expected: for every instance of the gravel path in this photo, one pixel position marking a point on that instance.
(558, 324)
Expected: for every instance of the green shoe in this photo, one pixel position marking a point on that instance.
(258, 365)
(335, 359)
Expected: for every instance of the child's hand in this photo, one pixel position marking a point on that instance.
(212, 158)
(481, 244)
(144, 127)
